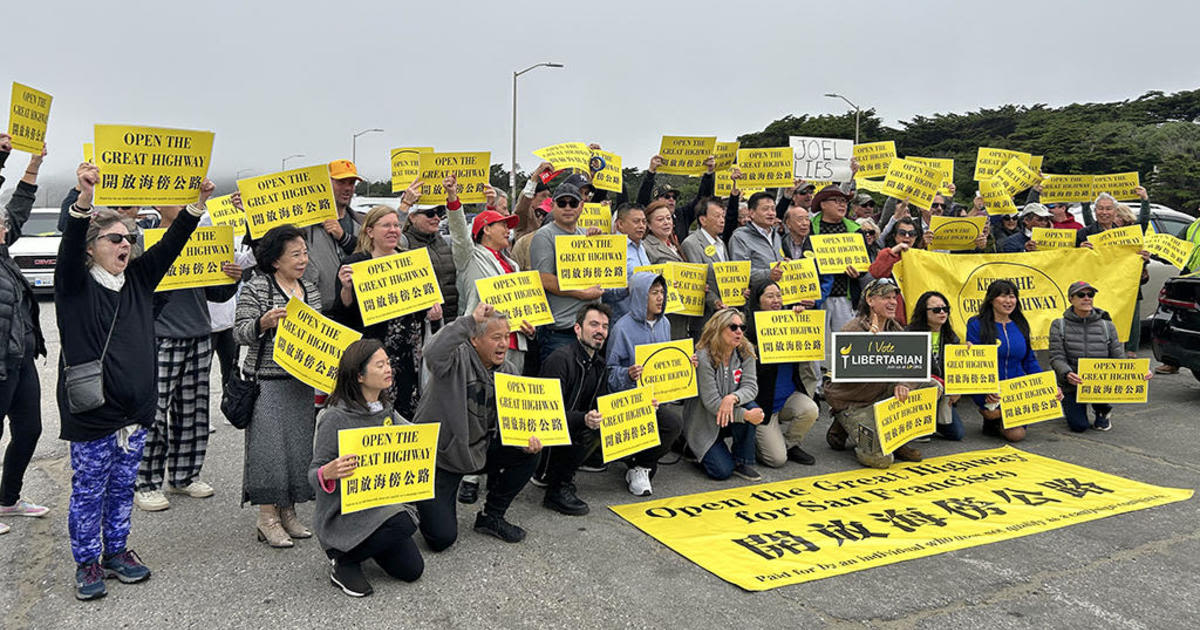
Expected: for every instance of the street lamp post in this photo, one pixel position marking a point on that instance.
(857, 112)
(354, 143)
(283, 163)
(512, 173)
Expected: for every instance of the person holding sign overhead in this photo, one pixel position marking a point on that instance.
(831, 204)
(334, 239)
(727, 385)
(279, 437)
(463, 359)
(931, 314)
(422, 231)
(403, 336)
(383, 534)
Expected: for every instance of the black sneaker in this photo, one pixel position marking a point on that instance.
(349, 577)
(125, 566)
(800, 456)
(538, 481)
(1103, 422)
(746, 472)
(89, 581)
(836, 436)
(498, 527)
(468, 493)
(562, 499)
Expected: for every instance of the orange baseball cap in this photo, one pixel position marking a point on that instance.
(344, 169)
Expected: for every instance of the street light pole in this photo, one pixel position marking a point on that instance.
(512, 172)
(857, 112)
(283, 163)
(354, 144)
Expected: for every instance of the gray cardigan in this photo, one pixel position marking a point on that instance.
(713, 384)
(256, 298)
(336, 530)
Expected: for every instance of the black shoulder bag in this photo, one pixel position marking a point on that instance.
(240, 394)
(84, 383)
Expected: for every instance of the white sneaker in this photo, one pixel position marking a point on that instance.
(4, 528)
(151, 500)
(197, 490)
(638, 479)
(23, 508)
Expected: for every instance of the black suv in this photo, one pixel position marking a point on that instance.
(1176, 324)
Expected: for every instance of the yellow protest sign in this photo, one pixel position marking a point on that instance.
(726, 154)
(767, 535)
(800, 280)
(150, 166)
(996, 197)
(1016, 176)
(723, 185)
(527, 406)
(588, 261)
(971, 370)
(1029, 399)
(89, 152)
(519, 295)
(914, 182)
(406, 166)
(944, 166)
(1035, 162)
(1122, 186)
(898, 423)
(390, 286)
(835, 252)
(988, 161)
(567, 155)
(874, 158)
(629, 423)
(611, 177)
(596, 215)
(873, 185)
(396, 464)
(786, 336)
(1113, 381)
(766, 168)
(299, 197)
(667, 369)
(199, 264)
(1127, 236)
(1066, 189)
(1053, 238)
(310, 345)
(685, 155)
(688, 283)
(732, 279)
(955, 234)
(471, 169)
(222, 212)
(28, 117)
(1170, 248)
(1042, 277)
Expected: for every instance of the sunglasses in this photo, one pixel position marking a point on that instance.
(869, 232)
(566, 202)
(912, 233)
(1086, 294)
(1010, 218)
(432, 212)
(737, 327)
(939, 206)
(117, 238)
(938, 309)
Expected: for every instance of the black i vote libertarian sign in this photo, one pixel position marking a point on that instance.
(863, 357)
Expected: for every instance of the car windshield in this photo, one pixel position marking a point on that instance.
(41, 224)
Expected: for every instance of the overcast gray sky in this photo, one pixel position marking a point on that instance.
(274, 77)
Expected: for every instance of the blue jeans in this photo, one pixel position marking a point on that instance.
(953, 431)
(718, 463)
(1076, 413)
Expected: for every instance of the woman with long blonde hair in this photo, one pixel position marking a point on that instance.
(727, 385)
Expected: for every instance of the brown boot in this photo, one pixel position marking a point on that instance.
(836, 436)
(291, 523)
(907, 453)
(270, 530)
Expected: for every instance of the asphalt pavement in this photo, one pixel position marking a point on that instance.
(1136, 570)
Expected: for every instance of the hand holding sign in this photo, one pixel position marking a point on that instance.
(86, 176)
(340, 468)
(5, 143)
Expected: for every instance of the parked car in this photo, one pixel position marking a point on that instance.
(1176, 325)
(37, 250)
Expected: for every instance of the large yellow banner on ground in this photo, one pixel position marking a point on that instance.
(767, 535)
(150, 166)
(396, 464)
(390, 286)
(406, 166)
(527, 406)
(766, 168)
(611, 177)
(835, 252)
(471, 169)
(519, 295)
(299, 197)
(629, 423)
(685, 155)
(199, 264)
(309, 345)
(1042, 279)
(897, 423)
(588, 261)
(1113, 381)
(1029, 399)
(28, 116)
(911, 181)
(787, 336)
(874, 158)
(222, 212)
(667, 369)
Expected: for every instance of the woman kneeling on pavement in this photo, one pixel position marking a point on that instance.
(1083, 332)
(931, 314)
(360, 399)
(853, 404)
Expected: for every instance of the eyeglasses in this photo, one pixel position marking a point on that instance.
(912, 233)
(1010, 217)
(1086, 294)
(939, 206)
(565, 202)
(938, 309)
(432, 212)
(115, 238)
(737, 327)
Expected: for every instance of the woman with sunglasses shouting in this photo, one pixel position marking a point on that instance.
(931, 314)
(104, 300)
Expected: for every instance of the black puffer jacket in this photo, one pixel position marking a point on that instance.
(583, 380)
(1073, 337)
(442, 258)
(15, 292)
